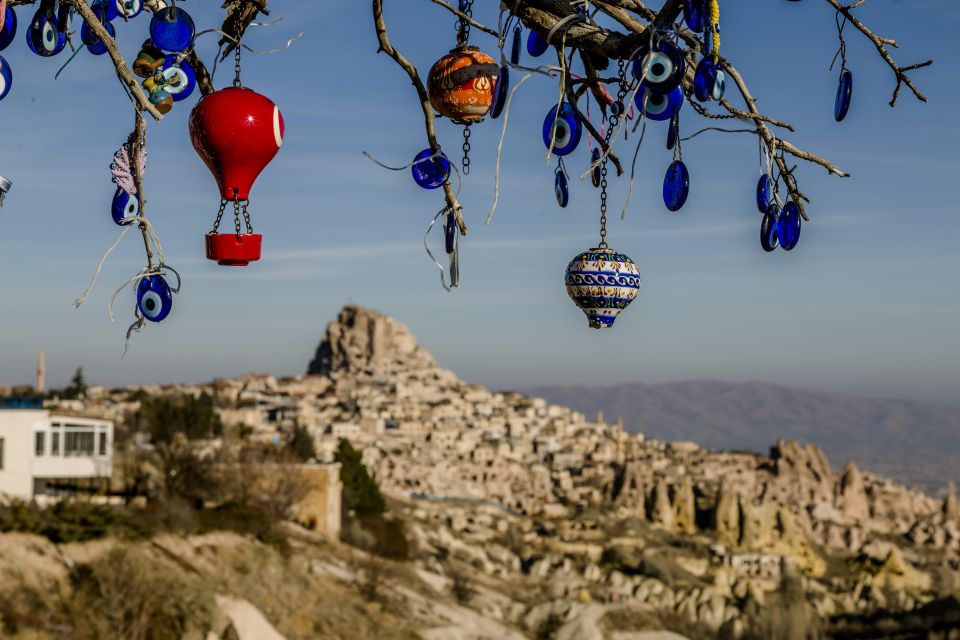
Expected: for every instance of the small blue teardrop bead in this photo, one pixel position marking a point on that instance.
(693, 14)
(596, 174)
(515, 47)
(676, 185)
(788, 229)
(844, 93)
(536, 44)
(764, 193)
(561, 190)
(500, 92)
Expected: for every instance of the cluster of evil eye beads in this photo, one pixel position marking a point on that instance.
(168, 77)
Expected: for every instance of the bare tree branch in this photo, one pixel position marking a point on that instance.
(463, 16)
(428, 118)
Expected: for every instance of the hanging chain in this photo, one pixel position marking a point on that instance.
(466, 150)
(616, 110)
(236, 217)
(246, 216)
(216, 223)
(236, 65)
(463, 26)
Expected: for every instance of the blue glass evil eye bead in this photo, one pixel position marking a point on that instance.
(764, 193)
(87, 36)
(172, 29)
(660, 68)
(43, 36)
(659, 106)
(124, 207)
(673, 134)
(844, 94)
(6, 78)
(788, 228)
(694, 13)
(154, 298)
(709, 82)
(9, 30)
(537, 45)
(430, 173)
(768, 228)
(676, 185)
(566, 135)
(515, 46)
(500, 92)
(181, 79)
(560, 188)
(595, 175)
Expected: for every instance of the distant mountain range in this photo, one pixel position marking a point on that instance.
(913, 442)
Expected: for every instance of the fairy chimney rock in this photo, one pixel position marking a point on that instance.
(364, 341)
(950, 510)
(852, 498)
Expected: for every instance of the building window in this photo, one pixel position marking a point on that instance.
(55, 443)
(40, 443)
(103, 444)
(78, 444)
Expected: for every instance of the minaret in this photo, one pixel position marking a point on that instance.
(41, 372)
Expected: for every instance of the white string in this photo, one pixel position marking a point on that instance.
(426, 246)
(613, 137)
(152, 234)
(503, 134)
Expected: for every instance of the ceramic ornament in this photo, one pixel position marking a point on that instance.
(461, 84)
(602, 282)
(236, 132)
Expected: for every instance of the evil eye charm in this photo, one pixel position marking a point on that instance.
(788, 227)
(595, 175)
(560, 188)
(43, 36)
(660, 68)
(676, 185)
(97, 47)
(154, 298)
(768, 228)
(500, 92)
(9, 29)
(6, 78)
(430, 172)
(450, 230)
(710, 82)
(659, 106)
(122, 8)
(673, 133)
(536, 44)
(172, 29)
(764, 193)
(87, 36)
(694, 14)
(181, 79)
(844, 93)
(562, 129)
(515, 46)
(124, 208)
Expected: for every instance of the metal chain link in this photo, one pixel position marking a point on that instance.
(466, 150)
(616, 111)
(216, 223)
(463, 27)
(246, 216)
(236, 65)
(236, 217)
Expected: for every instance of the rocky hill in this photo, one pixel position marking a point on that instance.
(525, 519)
(915, 443)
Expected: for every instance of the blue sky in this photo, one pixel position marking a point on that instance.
(867, 303)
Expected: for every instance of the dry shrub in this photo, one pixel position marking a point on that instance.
(127, 594)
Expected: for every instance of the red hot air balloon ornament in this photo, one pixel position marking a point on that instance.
(236, 132)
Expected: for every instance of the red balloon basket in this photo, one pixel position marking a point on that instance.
(233, 250)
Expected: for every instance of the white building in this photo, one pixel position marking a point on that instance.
(48, 454)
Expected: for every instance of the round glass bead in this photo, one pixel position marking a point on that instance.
(154, 298)
(428, 172)
(172, 29)
(659, 106)
(661, 68)
(764, 193)
(562, 129)
(788, 228)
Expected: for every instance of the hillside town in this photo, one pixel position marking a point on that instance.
(563, 519)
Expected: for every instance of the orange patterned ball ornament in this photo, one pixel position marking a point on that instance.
(461, 83)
